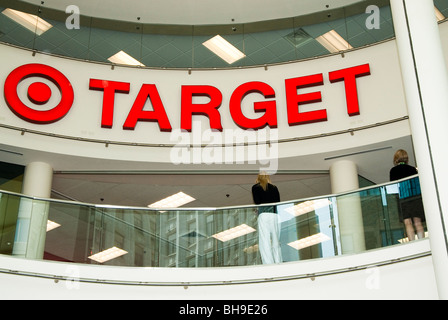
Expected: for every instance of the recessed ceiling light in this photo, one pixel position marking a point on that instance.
(333, 42)
(439, 14)
(309, 241)
(224, 49)
(122, 57)
(174, 201)
(52, 225)
(29, 21)
(233, 233)
(308, 206)
(108, 254)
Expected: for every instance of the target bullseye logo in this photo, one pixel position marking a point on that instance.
(38, 93)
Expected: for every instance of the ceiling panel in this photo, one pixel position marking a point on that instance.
(210, 190)
(178, 51)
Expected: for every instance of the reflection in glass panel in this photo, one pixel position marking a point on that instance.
(307, 230)
(9, 211)
(70, 241)
(64, 39)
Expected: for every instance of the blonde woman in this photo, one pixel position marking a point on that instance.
(412, 213)
(401, 167)
(264, 192)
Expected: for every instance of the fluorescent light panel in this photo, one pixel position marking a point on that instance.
(108, 254)
(224, 49)
(29, 21)
(404, 240)
(174, 201)
(439, 14)
(52, 225)
(333, 42)
(307, 206)
(233, 233)
(309, 241)
(122, 57)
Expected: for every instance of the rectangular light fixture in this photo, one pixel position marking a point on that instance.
(122, 57)
(233, 233)
(174, 201)
(333, 42)
(29, 21)
(52, 225)
(108, 254)
(309, 241)
(307, 206)
(224, 49)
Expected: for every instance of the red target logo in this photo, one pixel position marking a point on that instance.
(38, 93)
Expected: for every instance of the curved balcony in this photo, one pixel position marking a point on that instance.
(321, 227)
(180, 254)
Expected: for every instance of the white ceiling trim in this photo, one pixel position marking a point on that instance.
(196, 12)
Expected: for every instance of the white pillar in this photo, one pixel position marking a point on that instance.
(344, 178)
(37, 180)
(425, 82)
(32, 219)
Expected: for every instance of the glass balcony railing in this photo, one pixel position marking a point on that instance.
(321, 227)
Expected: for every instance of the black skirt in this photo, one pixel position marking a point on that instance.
(411, 207)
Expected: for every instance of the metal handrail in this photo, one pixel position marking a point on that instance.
(109, 206)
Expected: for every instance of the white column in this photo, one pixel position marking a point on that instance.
(32, 219)
(344, 178)
(425, 82)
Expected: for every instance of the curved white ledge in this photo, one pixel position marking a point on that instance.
(376, 274)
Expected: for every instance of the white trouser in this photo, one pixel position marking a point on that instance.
(268, 238)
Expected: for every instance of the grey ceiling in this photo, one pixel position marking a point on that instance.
(181, 47)
(209, 190)
(163, 46)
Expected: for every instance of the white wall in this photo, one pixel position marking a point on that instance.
(380, 97)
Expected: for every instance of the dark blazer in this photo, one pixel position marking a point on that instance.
(269, 195)
(401, 171)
